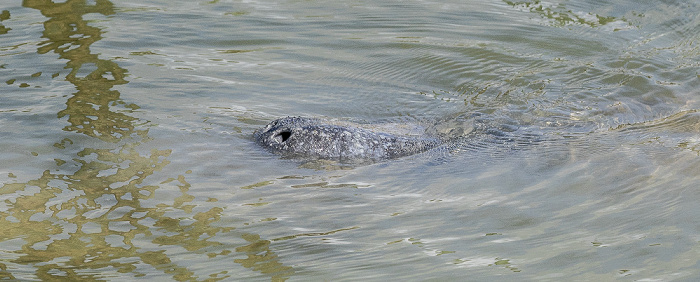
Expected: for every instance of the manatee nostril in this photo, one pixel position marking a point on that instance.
(283, 136)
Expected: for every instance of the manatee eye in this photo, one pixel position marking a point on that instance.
(283, 136)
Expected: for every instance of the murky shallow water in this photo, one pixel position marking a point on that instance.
(127, 152)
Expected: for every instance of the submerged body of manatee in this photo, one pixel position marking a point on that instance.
(307, 139)
(348, 142)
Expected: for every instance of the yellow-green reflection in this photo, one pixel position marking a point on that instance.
(559, 15)
(4, 15)
(261, 258)
(70, 36)
(90, 219)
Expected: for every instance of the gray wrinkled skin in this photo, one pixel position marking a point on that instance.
(299, 137)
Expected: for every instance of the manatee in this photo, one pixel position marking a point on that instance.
(311, 138)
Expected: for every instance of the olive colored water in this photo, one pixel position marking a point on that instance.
(126, 146)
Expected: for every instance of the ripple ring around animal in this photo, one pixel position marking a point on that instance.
(311, 138)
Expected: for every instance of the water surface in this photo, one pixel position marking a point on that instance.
(126, 145)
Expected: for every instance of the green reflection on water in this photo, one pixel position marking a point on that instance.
(69, 35)
(4, 15)
(95, 223)
(559, 15)
(261, 258)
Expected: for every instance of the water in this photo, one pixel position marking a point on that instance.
(126, 140)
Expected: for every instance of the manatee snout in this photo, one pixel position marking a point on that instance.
(283, 135)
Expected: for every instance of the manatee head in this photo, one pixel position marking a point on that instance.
(300, 137)
(317, 139)
(276, 134)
